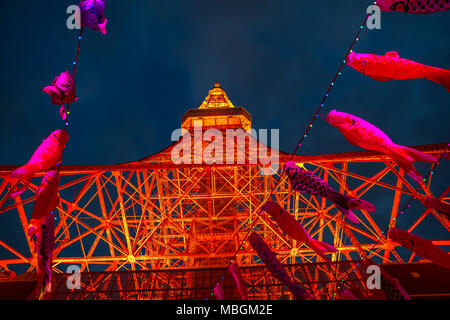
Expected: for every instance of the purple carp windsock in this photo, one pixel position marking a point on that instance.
(422, 247)
(414, 6)
(46, 156)
(62, 90)
(295, 230)
(218, 292)
(391, 67)
(305, 181)
(363, 134)
(275, 268)
(240, 284)
(45, 246)
(93, 15)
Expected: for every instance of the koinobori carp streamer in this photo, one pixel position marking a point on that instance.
(305, 181)
(295, 230)
(46, 156)
(93, 15)
(391, 67)
(62, 90)
(365, 135)
(422, 247)
(45, 245)
(46, 201)
(240, 283)
(275, 268)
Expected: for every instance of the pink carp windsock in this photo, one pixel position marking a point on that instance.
(347, 294)
(218, 292)
(240, 284)
(93, 15)
(46, 201)
(304, 181)
(46, 156)
(275, 268)
(422, 247)
(365, 135)
(353, 292)
(295, 230)
(62, 90)
(45, 246)
(392, 67)
(414, 6)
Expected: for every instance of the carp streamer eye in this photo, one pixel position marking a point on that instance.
(399, 6)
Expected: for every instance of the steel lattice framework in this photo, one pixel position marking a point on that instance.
(153, 215)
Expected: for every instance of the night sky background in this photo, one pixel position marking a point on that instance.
(160, 58)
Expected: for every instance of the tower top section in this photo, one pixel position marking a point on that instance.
(217, 111)
(217, 98)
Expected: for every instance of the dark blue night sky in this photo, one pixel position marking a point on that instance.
(160, 58)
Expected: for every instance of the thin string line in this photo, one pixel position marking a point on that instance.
(75, 65)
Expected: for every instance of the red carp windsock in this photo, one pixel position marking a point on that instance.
(392, 288)
(46, 201)
(295, 230)
(46, 156)
(365, 135)
(218, 292)
(422, 247)
(304, 181)
(437, 204)
(62, 91)
(240, 284)
(414, 6)
(45, 246)
(392, 67)
(93, 15)
(275, 268)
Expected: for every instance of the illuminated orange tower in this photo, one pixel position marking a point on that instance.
(155, 229)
